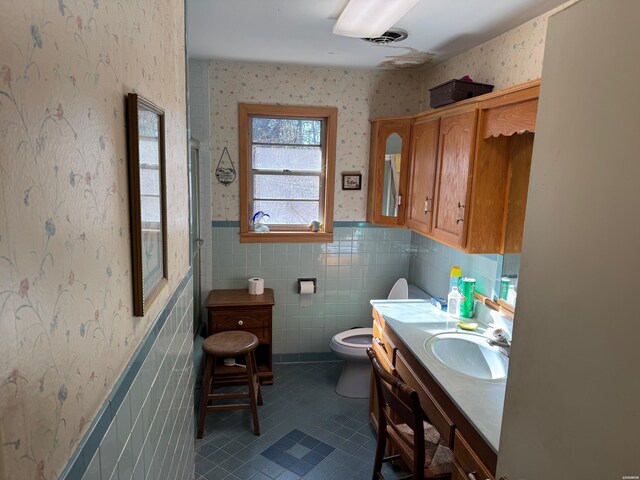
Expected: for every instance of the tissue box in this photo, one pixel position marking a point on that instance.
(456, 90)
(439, 303)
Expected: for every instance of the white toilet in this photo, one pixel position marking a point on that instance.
(351, 346)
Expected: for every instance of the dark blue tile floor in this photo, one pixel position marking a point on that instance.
(308, 431)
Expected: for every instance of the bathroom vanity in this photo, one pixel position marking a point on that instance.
(466, 408)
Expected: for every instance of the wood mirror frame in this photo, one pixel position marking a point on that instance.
(147, 283)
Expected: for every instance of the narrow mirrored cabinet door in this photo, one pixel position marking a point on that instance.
(388, 169)
(392, 165)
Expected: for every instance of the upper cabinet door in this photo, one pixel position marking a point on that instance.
(388, 171)
(424, 156)
(455, 159)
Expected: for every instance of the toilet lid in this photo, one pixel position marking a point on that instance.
(355, 338)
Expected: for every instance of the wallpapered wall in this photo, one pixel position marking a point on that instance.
(508, 59)
(358, 94)
(66, 328)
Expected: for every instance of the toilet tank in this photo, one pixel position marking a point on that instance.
(415, 293)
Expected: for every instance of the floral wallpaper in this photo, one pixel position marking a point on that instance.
(66, 328)
(359, 95)
(509, 59)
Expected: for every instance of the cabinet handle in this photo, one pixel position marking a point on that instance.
(380, 343)
(399, 200)
(426, 205)
(240, 323)
(471, 476)
(460, 213)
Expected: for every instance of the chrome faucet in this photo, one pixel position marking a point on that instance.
(500, 340)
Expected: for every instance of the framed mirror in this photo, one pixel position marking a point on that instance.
(392, 165)
(147, 192)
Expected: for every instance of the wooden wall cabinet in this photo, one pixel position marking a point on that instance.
(510, 120)
(455, 161)
(468, 177)
(388, 171)
(500, 179)
(422, 176)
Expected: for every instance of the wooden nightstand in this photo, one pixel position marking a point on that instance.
(237, 310)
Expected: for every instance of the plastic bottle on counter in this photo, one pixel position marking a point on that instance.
(455, 277)
(453, 301)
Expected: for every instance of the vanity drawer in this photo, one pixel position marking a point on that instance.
(471, 466)
(378, 348)
(384, 348)
(437, 417)
(457, 473)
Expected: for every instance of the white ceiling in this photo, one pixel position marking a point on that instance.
(299, 31)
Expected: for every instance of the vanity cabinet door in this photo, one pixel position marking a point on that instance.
(424, 156)
(388, 171)
(455, 159)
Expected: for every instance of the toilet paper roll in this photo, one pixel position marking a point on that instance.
(306, 288)
(256, 286)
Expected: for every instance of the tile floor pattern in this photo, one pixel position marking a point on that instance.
(308, 431)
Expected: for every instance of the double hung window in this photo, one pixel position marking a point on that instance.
(287, 158)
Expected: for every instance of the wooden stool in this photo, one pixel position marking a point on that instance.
(230, 344)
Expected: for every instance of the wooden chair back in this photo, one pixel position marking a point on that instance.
(398, 404)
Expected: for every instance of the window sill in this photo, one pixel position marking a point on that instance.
(286, 237)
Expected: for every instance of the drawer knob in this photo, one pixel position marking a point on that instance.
(379, 342)
(240, 323)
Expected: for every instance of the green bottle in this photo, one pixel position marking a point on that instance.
(468, 288)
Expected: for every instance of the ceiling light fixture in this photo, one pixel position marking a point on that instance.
(371, 18)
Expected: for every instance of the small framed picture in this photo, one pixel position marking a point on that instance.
(351, 181)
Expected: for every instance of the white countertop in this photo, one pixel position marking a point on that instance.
(480, 401)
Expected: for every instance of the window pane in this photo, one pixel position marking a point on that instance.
(149, 181)
(286, 186)
(149, 151)
(286, 130)
(289, 212)
(287, 158)
(149, 210)
(147, 123)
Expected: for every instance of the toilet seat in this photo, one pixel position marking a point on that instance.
(351, 346)
(355, 338)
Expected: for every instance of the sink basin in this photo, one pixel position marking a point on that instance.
(468, 354)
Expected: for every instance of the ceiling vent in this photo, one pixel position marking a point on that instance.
(393, 35)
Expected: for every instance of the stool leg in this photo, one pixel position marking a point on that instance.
(204, 397)
(251, 380)
(253, 357)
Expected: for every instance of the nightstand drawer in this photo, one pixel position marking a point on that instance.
(239, 320)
